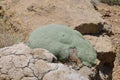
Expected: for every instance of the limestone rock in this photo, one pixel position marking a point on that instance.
(19, 62)
(64, 73)
(104, 47)
(116, 69)
(105, 54)
(101, 44)
(85, 71)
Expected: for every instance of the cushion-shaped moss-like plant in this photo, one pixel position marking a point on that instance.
(58, 39)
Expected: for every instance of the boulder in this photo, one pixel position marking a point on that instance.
(19, 62)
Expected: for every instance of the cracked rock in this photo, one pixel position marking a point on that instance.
(64, 73)
(19, 62)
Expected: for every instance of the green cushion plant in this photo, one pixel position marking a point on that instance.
(58, 39)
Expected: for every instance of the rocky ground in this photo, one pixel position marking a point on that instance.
(112, 15)
(99, 23)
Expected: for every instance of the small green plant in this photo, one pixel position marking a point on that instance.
(111, 2)
(58, 39)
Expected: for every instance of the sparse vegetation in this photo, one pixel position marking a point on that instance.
(111, 2)
(10, 33)
(7, 36)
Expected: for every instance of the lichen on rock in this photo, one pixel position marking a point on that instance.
(58, 39)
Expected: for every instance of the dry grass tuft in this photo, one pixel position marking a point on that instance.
(7, 35)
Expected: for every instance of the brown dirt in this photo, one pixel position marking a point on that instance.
(23, 16)
(112, 15)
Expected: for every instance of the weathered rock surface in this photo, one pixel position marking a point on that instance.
(106, 55)
(116, 69)
(78, 14)
(104, 48)
(64, 73)
(19, 62)
(112, 15)
(102, 44)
